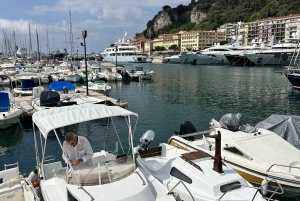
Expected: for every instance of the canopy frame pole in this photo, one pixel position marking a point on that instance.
(131, 133)
(106, 133)
(37, 157)
(131, 140)
(117, 135)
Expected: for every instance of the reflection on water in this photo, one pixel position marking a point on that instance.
(177, 93)
(9, 138)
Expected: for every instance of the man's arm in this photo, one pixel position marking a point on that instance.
(88, 151)
(64, 153)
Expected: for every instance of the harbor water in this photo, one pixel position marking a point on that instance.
(177, 93)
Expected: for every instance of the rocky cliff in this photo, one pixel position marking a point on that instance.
(210, 14)
(197, 15)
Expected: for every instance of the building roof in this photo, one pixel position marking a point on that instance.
(276, 18)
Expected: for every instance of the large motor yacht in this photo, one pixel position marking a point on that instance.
(125, 50)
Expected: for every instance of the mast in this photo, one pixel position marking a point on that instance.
(71, 36)
(4, 40)
(38, 46)
(15, 45)
(30, 44)
(48, 48)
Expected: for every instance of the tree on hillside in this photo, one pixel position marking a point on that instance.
(173, 47)
(166, 7)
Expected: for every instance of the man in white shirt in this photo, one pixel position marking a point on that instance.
(77, 150)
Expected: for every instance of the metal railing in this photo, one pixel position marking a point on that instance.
(184, 187)
(257, 190)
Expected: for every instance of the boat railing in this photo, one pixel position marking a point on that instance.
(32, 189)
(12, 164)
(287, 166)
(196, 133)
(49, 158)
(261, 188)
(171, 191)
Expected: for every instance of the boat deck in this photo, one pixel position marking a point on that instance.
(25, 101)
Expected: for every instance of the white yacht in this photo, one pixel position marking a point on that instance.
(126, 52)
(278, 54)
(174, 59)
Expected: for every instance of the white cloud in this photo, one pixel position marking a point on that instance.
(105, 21)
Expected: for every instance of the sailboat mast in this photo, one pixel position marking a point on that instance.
(38, 45)
(71, 36)
(15, 45)
(30, 44)
(48, 48)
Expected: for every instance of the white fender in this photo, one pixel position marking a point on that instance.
(264, 187)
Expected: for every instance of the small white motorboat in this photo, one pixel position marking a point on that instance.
(9, 111)
(111, 176)
(195, 175)
(26, 88)
(99, 86)
(15, 187)
(259, 155)
(140, 74)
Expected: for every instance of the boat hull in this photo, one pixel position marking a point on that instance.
(10, 118)
(294, 79)
(73, 78)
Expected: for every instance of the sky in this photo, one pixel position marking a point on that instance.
(105, 21)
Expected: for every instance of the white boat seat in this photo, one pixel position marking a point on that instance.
(51, 168)
(10, 173)
(155, 164)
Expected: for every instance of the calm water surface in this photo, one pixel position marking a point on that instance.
(177, 93)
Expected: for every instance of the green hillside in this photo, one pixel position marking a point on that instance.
(220, 12)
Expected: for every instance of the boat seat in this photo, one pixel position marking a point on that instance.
(8, 174)
(156, 164)
(51, 168)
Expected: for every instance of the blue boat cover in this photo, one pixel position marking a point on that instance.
(27, 84)
(59, 85)
(49, 98)
(4, 102)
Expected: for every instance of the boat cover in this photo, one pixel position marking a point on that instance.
(286, 126)
(27, 84)
(59, 85)
(49, 98)
(231, 121)
(50, 119)
(4, 102)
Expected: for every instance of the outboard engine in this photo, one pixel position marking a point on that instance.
(186, 127)
(146, 139)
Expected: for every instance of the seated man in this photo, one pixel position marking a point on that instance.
(77, 150)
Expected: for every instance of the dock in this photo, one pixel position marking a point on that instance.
(25, 101)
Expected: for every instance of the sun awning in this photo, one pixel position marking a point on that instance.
(49, 119)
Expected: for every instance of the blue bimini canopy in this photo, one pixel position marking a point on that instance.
(27, 84)
(59, 85)
(4, 102)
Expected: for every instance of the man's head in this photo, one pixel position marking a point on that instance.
(70, 138)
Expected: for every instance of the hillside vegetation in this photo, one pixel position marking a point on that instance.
(218, 12)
